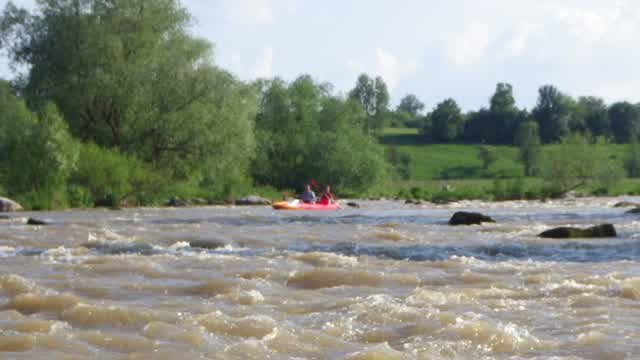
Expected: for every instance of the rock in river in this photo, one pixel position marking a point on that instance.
(626, 204)
(634, 211)
(207, 243)
(176, 202)
(253, 200)
(32, 221)
(8, 205)
(353, 204)
(599, 231)
(469, 218)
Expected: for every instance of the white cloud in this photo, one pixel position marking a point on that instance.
(249, 12)
(264, 67)
(519, 41)
(469, 47)
(393, 69)
(387, 65)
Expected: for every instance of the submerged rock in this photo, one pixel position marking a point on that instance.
(207, 243)
(599, 231)
(253, 201)
(32, 221)
(412, 202)
(8, 205)
(353, 204)
(469, 218)
(176, 202)
(627, 204)
(634, 211)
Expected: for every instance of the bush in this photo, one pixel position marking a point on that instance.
(109, 178)
(576, 163)
(37, 153)
(512, 189)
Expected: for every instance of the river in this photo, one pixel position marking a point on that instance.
(387, 281)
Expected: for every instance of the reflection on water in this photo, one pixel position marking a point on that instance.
(387, 281)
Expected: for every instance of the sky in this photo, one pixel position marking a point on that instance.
(431, 48)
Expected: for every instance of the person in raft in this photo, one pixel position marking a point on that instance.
(308, 196)
(327, 196)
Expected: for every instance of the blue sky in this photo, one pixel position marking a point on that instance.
(433, 49)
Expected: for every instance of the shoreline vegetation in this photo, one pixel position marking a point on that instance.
(117, 104)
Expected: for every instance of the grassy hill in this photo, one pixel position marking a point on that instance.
(434, 166)
(451, 161)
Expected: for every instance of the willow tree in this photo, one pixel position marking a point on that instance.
(127, 74)
(303, 132)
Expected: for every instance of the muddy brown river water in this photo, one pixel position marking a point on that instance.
(387, 281)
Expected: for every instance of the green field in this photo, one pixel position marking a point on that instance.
(435, 167)
(450, 161)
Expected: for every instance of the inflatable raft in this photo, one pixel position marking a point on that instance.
(298, 205)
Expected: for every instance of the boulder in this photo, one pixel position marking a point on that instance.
(413, 202)
(8, 205)
(634, 211)
(207, 243)
(469, 218)
(627, 204)
(32, 221)
(599, 231)
(253, 201)
(176, 202)
(353, 204)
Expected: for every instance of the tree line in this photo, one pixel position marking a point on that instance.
(122, 104)
(554, 116)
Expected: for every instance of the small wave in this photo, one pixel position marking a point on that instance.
(569, 252)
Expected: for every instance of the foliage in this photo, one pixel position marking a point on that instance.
(576, 163)
(513, 189)
(373, 97)
(128, 75)
(498, 123)
(304, 132)
(632, 159)
(445, 122)
(408, 113)
(487, 156)
(111, 178)
(528, 142)
(551, 114)
(625, 121)
(400, 161)
(38, 153)
(594, 112)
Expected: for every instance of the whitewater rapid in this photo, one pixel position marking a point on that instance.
(387, 281)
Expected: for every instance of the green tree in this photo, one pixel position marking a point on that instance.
(502, 100)
(446, 122)
(594, 112)
(632, 160)
(625, 121)
(38, 153)
(373, 96)
(551, 113)
(576, 162)
(127, 74)
(527, 140)
(409, 111)
(411, 104)
(498, 123)
(305, 132)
